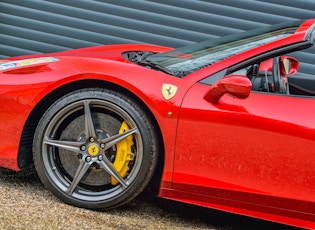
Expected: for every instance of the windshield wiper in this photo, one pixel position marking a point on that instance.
(153, 65)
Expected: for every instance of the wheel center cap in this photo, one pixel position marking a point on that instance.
(93, 149)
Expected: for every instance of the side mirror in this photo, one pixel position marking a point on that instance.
(291, 65)
(238, 86)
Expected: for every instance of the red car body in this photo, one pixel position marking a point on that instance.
(252, 156)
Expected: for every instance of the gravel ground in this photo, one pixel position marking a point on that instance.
(26, 204)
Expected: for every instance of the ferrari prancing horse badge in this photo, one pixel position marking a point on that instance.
(169, 91)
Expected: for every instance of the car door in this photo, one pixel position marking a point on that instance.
(256, 153)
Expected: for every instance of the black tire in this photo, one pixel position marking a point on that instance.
(95, 149)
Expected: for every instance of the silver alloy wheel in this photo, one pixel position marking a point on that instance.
(57, 150)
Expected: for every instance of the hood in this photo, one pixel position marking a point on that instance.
(111, 52)
(35, 63)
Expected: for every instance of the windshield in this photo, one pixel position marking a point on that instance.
(188, 59)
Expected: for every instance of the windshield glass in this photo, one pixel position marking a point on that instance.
(188, 59)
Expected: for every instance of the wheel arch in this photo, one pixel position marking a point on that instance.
(25, 154)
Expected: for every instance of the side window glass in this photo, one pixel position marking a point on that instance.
(282, 75)
(303, 82)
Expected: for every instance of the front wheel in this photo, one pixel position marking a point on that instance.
(95, 149)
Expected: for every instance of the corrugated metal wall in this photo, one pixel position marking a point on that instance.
(37, 26)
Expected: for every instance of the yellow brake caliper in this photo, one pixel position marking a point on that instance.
(123, 154)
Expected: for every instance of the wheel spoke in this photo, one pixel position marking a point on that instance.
(68, 145)
(108, 166)
(82, 169)
(89, 126)
(113, 140)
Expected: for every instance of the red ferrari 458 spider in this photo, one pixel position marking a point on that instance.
(227, 124)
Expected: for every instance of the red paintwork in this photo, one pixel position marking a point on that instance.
(252, 156)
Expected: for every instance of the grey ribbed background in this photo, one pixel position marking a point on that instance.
(38, 26)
